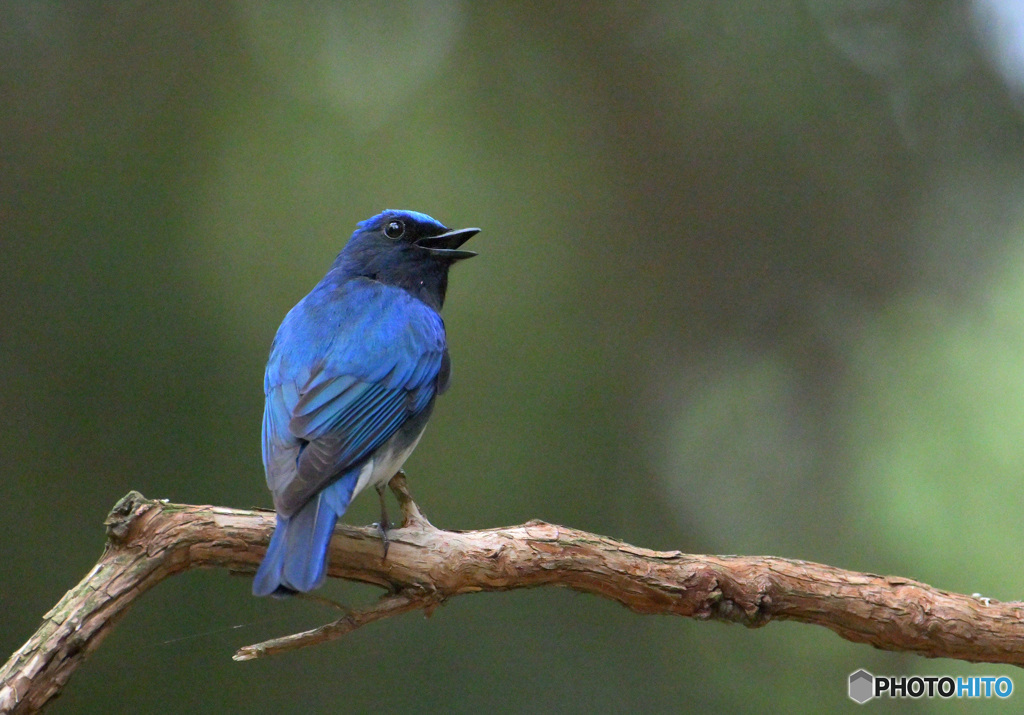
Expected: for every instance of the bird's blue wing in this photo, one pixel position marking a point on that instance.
(349, 366)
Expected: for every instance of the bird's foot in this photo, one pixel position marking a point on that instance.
(411, 514)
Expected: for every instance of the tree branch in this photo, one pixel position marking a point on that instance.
(149, 541)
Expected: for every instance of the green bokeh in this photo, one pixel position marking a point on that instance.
(749, 283)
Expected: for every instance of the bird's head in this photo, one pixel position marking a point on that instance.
(406, 249)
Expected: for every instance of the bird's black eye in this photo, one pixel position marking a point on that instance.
(394, 229)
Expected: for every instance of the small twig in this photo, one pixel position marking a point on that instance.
(393, 605)
(323, 601)
(412, 517)
(149, 541)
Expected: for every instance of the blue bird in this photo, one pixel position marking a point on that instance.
(351, 380)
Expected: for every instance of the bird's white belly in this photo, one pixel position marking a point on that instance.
(384, 465)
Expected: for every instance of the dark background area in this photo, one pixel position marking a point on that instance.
(750, 282)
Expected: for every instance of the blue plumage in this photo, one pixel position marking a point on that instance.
(350, 383)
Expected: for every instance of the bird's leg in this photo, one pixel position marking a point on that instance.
(383, 525)
(411, 514)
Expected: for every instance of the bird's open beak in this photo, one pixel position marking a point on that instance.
(447, 244)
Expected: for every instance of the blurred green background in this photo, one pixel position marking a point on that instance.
(751, 281)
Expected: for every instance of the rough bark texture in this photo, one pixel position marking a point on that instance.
(151, 540)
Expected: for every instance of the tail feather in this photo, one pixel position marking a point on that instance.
(296, 559)
(268, 576)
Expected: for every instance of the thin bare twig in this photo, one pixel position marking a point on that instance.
(392, 605)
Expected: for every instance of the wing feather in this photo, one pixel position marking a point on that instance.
(333, 399)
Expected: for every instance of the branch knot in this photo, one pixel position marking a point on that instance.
(121, 518)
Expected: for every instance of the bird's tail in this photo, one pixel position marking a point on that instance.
(296, 559)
